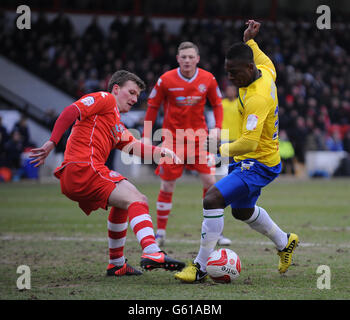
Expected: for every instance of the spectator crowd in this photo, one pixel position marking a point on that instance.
(313, 66)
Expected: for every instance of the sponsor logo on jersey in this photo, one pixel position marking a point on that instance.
(88, 101)
(176, 89)
(117, 131)
(202, 88)
(252, 122)
(187, 101)
(114, 174)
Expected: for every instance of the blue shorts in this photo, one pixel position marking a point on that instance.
(242, 186)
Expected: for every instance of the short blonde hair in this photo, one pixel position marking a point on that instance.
(187, 45)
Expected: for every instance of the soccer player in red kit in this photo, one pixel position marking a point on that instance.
(183, 93)
(85, 178)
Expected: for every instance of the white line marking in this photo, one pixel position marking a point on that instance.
(169, 240)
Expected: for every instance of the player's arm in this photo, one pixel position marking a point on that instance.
(154, 102)
(255, 113)
(259, 56)
(150, 119)
(62, 124)
(131, 145)
(215, 98)
(237, 148)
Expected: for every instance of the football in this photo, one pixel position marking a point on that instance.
(224, 265)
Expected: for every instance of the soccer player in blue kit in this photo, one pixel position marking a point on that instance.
(256, 156)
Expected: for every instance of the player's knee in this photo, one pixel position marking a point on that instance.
(137, 197)
(142, 198)
(213, 199)
(242, 213)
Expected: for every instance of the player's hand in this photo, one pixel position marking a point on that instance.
(165, 152)
(252, 30)
(40, 154)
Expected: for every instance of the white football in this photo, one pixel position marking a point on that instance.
(223, 265)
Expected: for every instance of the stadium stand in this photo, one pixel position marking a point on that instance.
(312, 65)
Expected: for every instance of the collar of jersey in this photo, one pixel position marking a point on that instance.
(185, 79)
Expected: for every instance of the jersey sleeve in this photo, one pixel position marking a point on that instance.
(154, 102)
(215, 98)
(94, 104)
(260, 58)
(157, 94)
(126, 138)
(64, 121)
(255, 114)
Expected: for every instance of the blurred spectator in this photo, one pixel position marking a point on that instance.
(21, 127)
(3, 140)
(297, 137)
(315, 140)
(92, 83)
(287, 153)
(13, 148)
(334, 141)
(3, 133)
(94, 32)
(312, 66)
(346, 142)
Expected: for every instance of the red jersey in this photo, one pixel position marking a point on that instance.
(184, 100)
(97, 130)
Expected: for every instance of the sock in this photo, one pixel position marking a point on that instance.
(261, 222)
(204, 193)
(164, 205)
(117, 225)
(212, 226)
(141, 224)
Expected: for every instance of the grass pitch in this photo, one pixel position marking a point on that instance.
(67, 252)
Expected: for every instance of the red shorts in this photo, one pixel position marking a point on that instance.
(89, 186)
(193, 157)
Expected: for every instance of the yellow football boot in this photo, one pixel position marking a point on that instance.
(191, 273)
(287, 253)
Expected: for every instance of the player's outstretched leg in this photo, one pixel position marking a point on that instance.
(160, 259)
(141, 224)
(124, 270)
(285, 243)
(212, 226)
(117, 228)
(287, 253)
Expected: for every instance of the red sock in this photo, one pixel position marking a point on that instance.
(141, 224)
(164, 204)
(117, 228)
